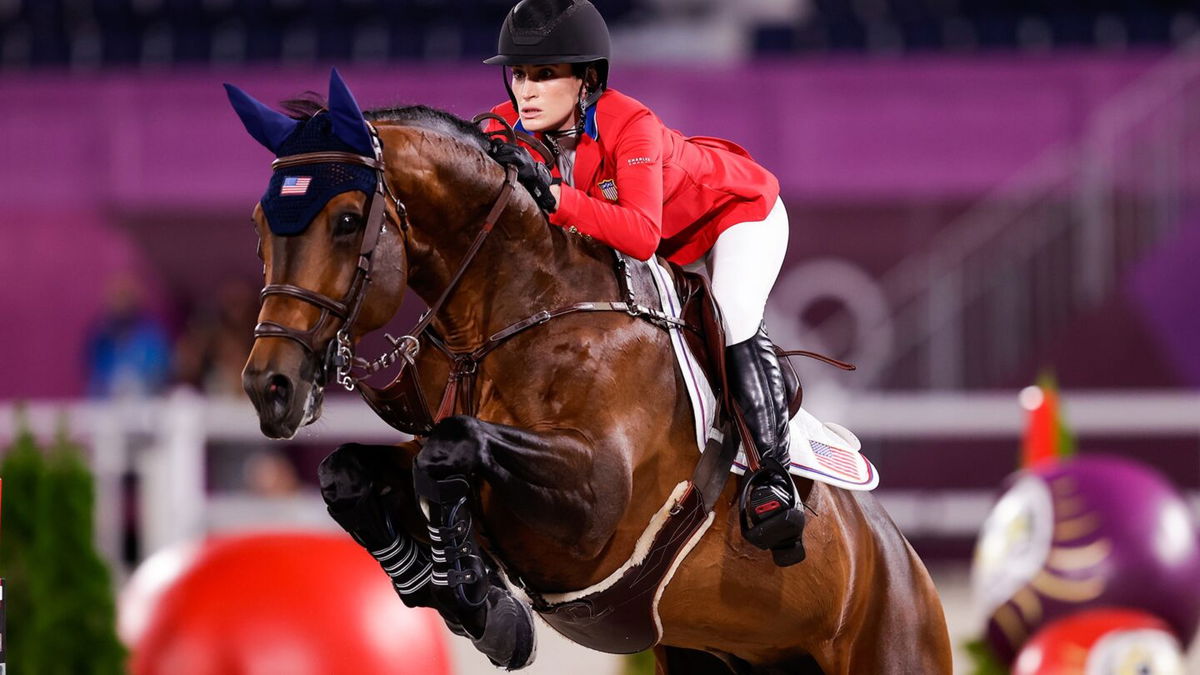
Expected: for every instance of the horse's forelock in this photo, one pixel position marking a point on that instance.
(305, 106)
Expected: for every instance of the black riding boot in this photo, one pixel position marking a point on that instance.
(772, 517)
(499, 624)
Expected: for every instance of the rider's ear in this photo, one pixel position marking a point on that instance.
(267, 126)
(348, 122)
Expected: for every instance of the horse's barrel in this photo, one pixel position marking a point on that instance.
(1085, 533)
(298, 603)
(1102, 642)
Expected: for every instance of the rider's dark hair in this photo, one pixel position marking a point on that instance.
(588, 72)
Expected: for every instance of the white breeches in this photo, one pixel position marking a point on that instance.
(743, 265)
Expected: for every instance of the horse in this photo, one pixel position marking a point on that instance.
(576, 433)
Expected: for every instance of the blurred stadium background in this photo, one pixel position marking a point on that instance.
(980, 191)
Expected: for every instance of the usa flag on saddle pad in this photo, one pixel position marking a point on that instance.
(294, 185)
(836, 459)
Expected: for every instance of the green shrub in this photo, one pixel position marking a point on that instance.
(59, 595)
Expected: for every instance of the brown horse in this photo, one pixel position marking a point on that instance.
(581, 428)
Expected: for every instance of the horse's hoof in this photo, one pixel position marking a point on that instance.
(509, 639)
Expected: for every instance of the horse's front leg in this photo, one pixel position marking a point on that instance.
(368, 490)
(546, 478)
(553, 481)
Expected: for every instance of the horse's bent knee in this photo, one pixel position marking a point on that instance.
(458, 428)
(452, 447)
(345, 473)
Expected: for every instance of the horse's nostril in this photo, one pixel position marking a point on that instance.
(278, 391)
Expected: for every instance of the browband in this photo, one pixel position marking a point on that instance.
(326, 157)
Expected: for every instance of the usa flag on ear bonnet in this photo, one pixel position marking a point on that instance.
(297, 194)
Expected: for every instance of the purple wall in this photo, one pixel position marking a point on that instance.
(84, 156)
(861, 129)
(1170, 309)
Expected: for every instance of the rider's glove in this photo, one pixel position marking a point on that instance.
(531, 173)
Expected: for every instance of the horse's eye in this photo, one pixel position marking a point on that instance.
(347, 223)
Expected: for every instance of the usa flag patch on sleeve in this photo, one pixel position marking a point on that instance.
(294, 185)
(609, 189)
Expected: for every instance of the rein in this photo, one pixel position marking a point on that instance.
(339, 353)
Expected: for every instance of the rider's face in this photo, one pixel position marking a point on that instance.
(547, 96)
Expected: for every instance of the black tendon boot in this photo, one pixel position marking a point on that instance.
(498, 624)
(363, 508)
(772, 517)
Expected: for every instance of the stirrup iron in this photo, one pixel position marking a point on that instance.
(781, 527)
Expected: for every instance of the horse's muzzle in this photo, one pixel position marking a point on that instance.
(284, 404)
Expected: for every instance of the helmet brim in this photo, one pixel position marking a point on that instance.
(541, 59)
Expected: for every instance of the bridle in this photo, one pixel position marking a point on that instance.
(348, 307)
(338, 356)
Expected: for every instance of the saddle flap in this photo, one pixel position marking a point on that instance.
(700, 311)
(707, 342)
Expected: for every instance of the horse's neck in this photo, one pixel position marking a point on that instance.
(525, 265)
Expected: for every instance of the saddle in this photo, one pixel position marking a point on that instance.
(707, 337)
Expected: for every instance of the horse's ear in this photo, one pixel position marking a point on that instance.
(267, 126)
(348, 122)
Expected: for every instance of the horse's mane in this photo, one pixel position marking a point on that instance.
(310, 103)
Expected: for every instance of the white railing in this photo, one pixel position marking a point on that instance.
(1043, 247)
(166, 440)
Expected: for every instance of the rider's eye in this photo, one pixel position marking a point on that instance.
(347, 223)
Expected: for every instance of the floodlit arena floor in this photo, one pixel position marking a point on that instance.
(555, 653)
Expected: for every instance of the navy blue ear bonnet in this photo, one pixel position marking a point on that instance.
(297, 194)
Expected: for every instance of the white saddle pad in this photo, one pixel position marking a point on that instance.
(822, 451)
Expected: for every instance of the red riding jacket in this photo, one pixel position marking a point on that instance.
(643, 188)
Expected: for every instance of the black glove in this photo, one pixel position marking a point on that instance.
(531, 173)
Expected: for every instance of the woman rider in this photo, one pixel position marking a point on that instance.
(625, 179)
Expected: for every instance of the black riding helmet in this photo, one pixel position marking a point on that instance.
(538, 32)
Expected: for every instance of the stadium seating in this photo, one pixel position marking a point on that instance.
(89, 33)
